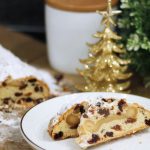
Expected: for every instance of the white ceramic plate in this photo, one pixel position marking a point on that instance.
(35, 123)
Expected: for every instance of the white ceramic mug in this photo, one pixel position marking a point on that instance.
(67, 35)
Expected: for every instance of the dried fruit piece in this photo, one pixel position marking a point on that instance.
(103, 111)
(109, 100)
(117, 128)
(58, 136)
(59, 77)
(119, 113)
(39, 100)
(109, 134)
(4, 83)
(32, 80)
(94, 139)
(23, 86)
(28, 99)
(79, 109)
(28, 94)
(121, 104)
(98, 104)
(147, 122)
(6, 100)
(130, 120)
(17, 94)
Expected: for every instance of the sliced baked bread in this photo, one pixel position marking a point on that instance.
(65, 125)
(22, 85)
(110, 119)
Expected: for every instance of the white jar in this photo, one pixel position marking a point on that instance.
(67, 34)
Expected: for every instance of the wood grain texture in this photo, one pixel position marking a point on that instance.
(80, 5)
(34, 52)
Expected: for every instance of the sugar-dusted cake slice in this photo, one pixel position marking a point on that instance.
(21, 85)
(65, 124)
(109, 119)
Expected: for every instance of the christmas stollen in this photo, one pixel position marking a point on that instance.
(65, 124)
(21, 85)
(102, 120)
(111, 119)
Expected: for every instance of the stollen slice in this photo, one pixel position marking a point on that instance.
(109, 119)
(64, 125)
(22, 85)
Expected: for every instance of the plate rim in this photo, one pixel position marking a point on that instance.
(33, 144)
(27, 139)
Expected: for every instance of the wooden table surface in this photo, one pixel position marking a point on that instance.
(34, 52)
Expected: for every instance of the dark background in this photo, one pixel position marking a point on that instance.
(25, 16)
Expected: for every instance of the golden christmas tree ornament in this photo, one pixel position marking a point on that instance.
(105, 70)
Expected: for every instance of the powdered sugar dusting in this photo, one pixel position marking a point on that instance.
(9, 127)
(92, 102)
(10, 65)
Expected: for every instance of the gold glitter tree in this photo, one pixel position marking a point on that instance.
(104, 69)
